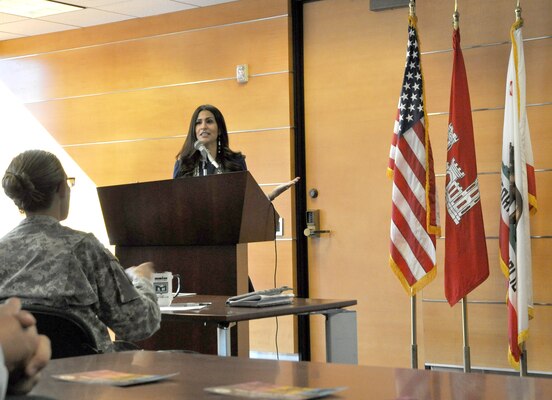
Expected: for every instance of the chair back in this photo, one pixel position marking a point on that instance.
(69, 335)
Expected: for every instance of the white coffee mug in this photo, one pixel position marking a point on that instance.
(163, 285)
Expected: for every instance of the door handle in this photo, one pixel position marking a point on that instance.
(313, 224)
(314, 233)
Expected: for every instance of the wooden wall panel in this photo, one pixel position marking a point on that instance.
(494, 288)
(127, 162)
(487, 126)
(481, 22)
(487, 335)
(481, 65)
(164, 111)
(267, 156)
(176, 59)
(224, 14)
(119, 96)
(542, 254)
(262, 263)
(541, 120)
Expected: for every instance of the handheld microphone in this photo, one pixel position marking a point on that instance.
(199, 146)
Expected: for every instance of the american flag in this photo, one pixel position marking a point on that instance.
(414, 216)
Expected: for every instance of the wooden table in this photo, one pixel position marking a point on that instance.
(341, 325)
(197, 372)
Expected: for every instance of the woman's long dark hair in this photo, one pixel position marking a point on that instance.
(189, 157)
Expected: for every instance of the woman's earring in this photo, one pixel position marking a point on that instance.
(219, 145)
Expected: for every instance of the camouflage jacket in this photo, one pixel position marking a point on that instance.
(44, 262)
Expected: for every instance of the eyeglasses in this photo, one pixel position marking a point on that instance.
(71, 182)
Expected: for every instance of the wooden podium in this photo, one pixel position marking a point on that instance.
(198, 228)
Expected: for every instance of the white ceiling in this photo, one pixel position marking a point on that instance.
(97, 12)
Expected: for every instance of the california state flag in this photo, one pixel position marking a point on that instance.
(518, 199)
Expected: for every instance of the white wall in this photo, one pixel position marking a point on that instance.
(20, 131)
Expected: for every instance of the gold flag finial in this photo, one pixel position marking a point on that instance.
(519, 20)
(455, 20)
(412, 8)
(455, 16)
(518, 12)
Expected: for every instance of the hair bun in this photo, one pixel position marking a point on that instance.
(25, 181)
(20, 188)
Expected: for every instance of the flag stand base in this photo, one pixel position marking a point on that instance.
(523, 362)
(414, 346)
(467, 357)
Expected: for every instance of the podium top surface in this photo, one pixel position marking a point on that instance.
(218, 311)
(220, 209)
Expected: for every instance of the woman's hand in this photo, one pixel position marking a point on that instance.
(282, 188)
(25, 351)
(144, 270)
(31, 374)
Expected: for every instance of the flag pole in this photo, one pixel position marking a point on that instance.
(467, 359)
(518, 13)
(523, 355)
(523, 361)
(414, 345)
(412, 7)
(413, 336)
(455, 15)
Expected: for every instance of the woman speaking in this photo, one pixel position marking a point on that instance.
(206, 149)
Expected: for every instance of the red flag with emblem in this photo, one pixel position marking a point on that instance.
(466, 261)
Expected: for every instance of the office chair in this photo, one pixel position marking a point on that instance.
(69, 335)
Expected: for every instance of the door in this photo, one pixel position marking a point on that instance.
(352, 80)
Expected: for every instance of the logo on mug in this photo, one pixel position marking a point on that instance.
(163, 285)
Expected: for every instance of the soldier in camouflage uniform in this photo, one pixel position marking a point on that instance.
(44, 262)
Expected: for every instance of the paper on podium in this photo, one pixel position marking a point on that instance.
(183, 307)
(262, 298)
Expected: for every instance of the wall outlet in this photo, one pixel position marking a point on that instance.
(280, 227)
